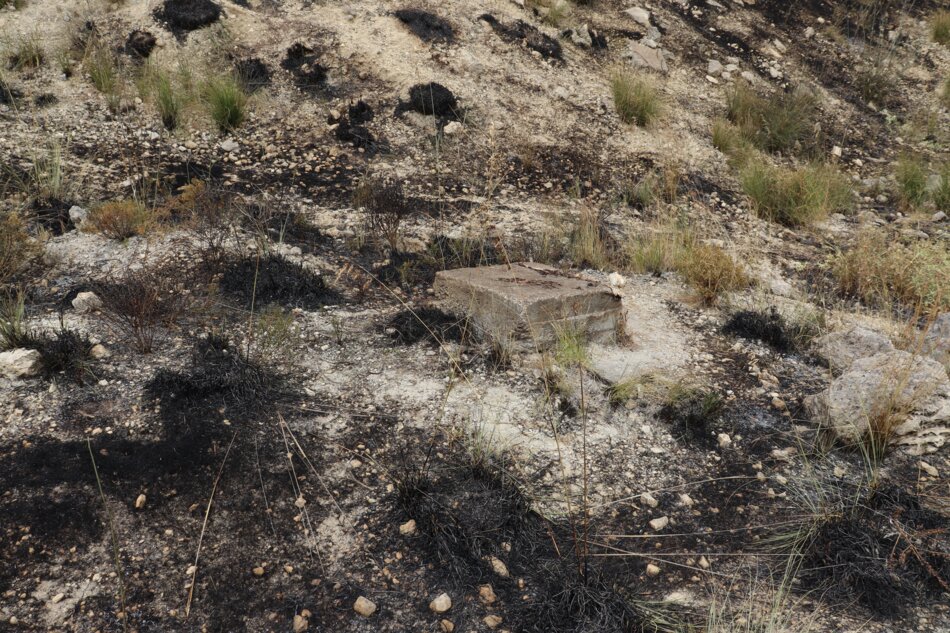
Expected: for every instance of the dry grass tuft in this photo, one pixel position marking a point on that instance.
(711, 271)
(884, 273)
(17, 248)
(636, 99)
(795, 197)
(940, 27)
(120, 219)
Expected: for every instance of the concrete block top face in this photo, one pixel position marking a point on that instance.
(534, 294)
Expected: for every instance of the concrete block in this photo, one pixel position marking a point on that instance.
(528, 302)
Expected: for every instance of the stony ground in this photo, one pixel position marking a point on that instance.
(312, 460)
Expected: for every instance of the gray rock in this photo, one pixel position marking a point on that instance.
(939, 216)
(77, 215)
(640, 15)
(87, 302)
(230, 145)
(914, 389)
(646, 57)
(581, 36)
(841, 348)
(937, 340)
(714, 68)
(20, 363)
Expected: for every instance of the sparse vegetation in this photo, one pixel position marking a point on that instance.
(120, 220)
(386, 208)
(590, 245)
(17, 248)
(226, 102)
(636, 98)
(782, 123)
(168, 100)
(27, 53)
(795, 197)
(142, 301)
(940, 27)
(711, 271)
(911, 176)
(103, 69)
(883, 272)
(13, 330)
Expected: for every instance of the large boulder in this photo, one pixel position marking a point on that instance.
(841, 348)
(911, 391)
(20, 363)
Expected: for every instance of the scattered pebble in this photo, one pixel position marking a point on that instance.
(364, 606)
(441, 604)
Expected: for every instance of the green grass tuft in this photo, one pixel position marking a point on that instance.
(636, 99)
(795, 197)
(227, 103)
(940, 27)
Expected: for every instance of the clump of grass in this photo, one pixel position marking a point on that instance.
(13, 331)
(120, 220)
(911, 176)
(884, 273)
(874, 79)
(711, 271)
(103, 70)
(17, 248)
(48, 174)
(659, 250)
(226, 102)
(795, 197)
(168, 101)
(778, 124)
(64, 353)
(27, 53)
(945, 93)
(274, 333)
(941, 193)
(940, 27)
(636, 99)
(386, 207)
(589, 243)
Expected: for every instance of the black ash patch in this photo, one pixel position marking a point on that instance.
(428, 27)
(275, 279)
(303, 63)
(768, 327)
(693, 416)
(252, 73)
(433, 99)
(188, 15)
(140, 44)
(520, 32)
(427, 324)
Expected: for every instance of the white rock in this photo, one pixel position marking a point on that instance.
(407, 528)
(649, 500)
(616, 280)
(714, 68)
(927, 468)
(841, 348)
(20, 363)
(99, 351)
(300, 623)
(441, 604)
(499, 567)
(364, 606)
(653, 570)
(724, 440)
(140, 502)
(229, 145)
(453, 128)
(639, 14)
(77, 215)
(659, 523)
(87, 302)
(939, 216)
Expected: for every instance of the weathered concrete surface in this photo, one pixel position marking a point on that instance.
(528, 303)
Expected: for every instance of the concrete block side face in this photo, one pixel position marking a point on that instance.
(527, 304)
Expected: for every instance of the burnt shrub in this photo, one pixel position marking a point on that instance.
(427, 324)
(139, 44)
(141, 302)
(272, 278)
(386, 207)
(189, 15)
(768, 327)
(693, 413)
(304, 64)
(252, 73)
(426, 26)
(431, 98)
(64, 353)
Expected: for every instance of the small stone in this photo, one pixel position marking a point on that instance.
(77, 215)
(779, 404)
(640, 15)
(258, 571)
(441, 604)
(686, 500)
(703, 563)
(140, 502)
(724, 440)
(300, 624)
(714, 68)
(492, 621)
(447, 626)
(499, 567)
(99, 351)
(659, 523)
(927, 468)
(939, 216)
(87, 302)
(57, 598)
(653, 570)
(649, 500)
(836, 151)
(364, 606)
(20, 363)
(407, 528)
(453, 128)
(229, 145)
(486, 594)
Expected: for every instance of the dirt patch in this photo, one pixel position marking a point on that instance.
(520, 32)
(275, 279)
(428, 27)
(188, 15)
